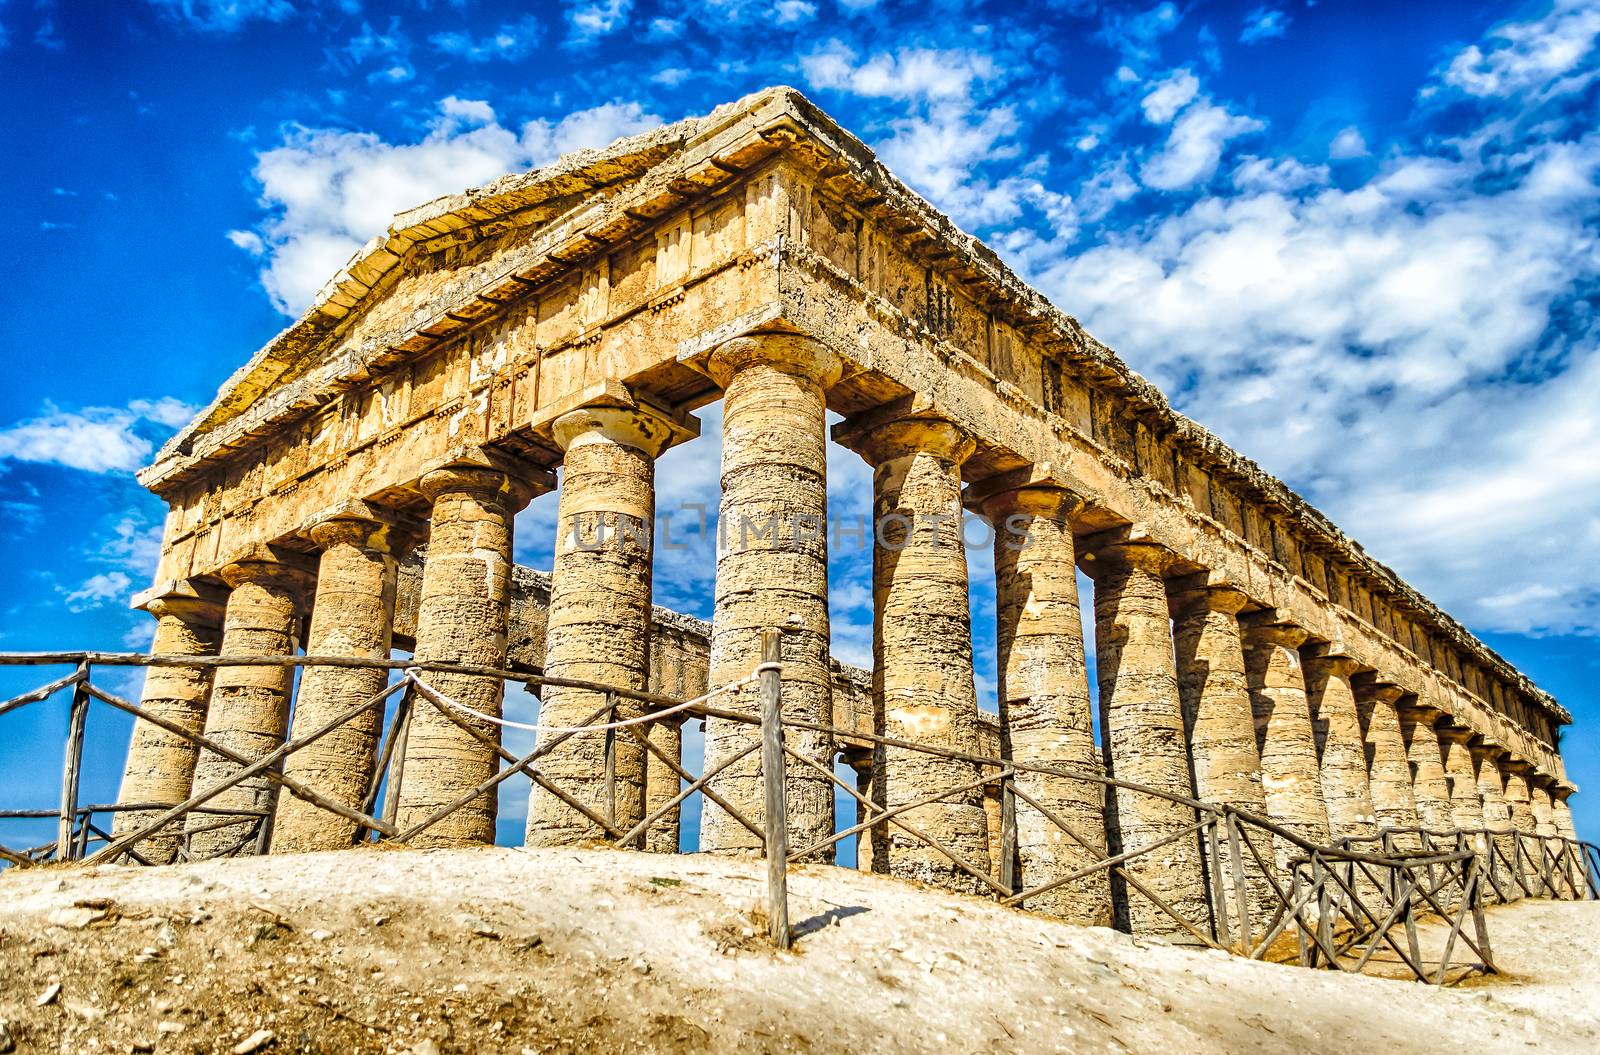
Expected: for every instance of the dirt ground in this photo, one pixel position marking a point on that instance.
(514, 951)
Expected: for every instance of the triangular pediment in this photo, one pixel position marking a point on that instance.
(461, 239)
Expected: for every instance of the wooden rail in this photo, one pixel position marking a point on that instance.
(1340, 907)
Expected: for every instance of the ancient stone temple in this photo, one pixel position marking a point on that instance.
(353, 490)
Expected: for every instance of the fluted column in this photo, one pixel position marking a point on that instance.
(661, 786)
(352, 616)
(772, 573)
(1046, 716)
(1346, 789)
(1141, 720)
(1290, 777)
(1429, 785)
(1541, 803)
(598, 628)
(160, 765)
(1461, 773)
(1215, 693)
(923, 688)
(1561, 813)
(461, 618)
(1388, 767)
(1518, 797)
(249, 712)
(1496, 812)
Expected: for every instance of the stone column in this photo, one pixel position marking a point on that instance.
(1141, 720)
(1461, 773)
(1290, 778)
(772, 573)
(923, 688)
(461, 618)
(1561, 813)
(249, 710)
(598, 627)
(1345, 787)
(1574, 872)
(1046, 716)
(1496, 812)
(1217, 716)
(1544, 823)
(1389, 768)
(352, 616)
(1429, 785)
(861, 762)
(1518, 797)
(661, 786)
(160, 766)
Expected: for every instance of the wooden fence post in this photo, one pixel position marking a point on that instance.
(772, 774)
(72, 769)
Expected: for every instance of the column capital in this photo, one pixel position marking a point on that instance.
(1419, 710)
(642, 427)
(481, 481)
(1484, 747)
(1333, 664)
(1283, 635)
(1512, 764)
(1221, 597)
(792, 353)
(190, 600)
(1034, 489)
(1129, 553)
(917, 435)
(294, 574)
(366, 525)
(1370, 688)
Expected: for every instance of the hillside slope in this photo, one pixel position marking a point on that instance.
(501, 950)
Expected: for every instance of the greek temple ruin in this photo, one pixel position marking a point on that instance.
(352, 491)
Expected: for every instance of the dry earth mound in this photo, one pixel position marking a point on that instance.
(501, 950)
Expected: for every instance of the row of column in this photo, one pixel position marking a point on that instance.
(1193, 699)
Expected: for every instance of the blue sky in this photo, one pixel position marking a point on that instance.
(1357, 240)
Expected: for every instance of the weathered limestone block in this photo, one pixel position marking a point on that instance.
(1345, 786)
(922, 650)
(1217, 716)
(598, 628)
(661, 786)
(772, 573)
(1389, 769)
(160, 766)
(1290, 776)
(1561, 815)
(351, 616)
(1046, 715)
(1141, 720)
(461, 618)
(1429, 785)
(1461, 773)
(249, 711)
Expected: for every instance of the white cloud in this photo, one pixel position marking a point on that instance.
(1349, 143)
(1541, 57)
(98, 590)
(601, 18)
(598, 126)
(1387, 350)
(94, 439)
(907, 74)
(249, 241)
(328, 191)
(794, 12)
(1171, 94)
(1194, 146)
(1263, 23)
(512, 41)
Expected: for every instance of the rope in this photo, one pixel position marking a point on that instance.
(414, 673)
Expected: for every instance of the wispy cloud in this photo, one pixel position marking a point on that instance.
(1263, 23)
(94, 439)
(510, 42)
(224, 16)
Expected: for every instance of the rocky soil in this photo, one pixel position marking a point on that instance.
(513, 951)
